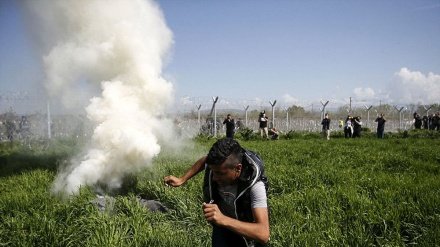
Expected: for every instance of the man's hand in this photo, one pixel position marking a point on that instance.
(212, 213)
(194, 170)
(258, 230)
(172, 181)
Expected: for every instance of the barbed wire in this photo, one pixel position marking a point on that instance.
(6, 96)
(193, 103)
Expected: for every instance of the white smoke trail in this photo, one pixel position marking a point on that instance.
(117, 46)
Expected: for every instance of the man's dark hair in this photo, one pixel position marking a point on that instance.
(225, 149)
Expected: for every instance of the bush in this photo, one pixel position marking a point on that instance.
(247, 134)
(366, 129)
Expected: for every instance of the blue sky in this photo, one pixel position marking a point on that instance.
(291, 51)
(308, 50)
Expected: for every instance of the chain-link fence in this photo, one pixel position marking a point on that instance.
(196, 115)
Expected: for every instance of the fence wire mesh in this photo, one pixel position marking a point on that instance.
(193, 115)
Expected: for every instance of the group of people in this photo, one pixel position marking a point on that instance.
(234, 190)
(11, 127)
(263, 120)
(265, 132)
(431, 122)
(352, 126)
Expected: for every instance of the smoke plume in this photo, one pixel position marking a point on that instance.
(115, 48)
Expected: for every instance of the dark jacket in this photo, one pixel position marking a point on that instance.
(251, 173)
(230, 125)
(325, 124)
(380, 123)
(263, 122)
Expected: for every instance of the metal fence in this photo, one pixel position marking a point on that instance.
(195, 115)
(38, 126)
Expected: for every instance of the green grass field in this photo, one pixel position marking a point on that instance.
(341, 192)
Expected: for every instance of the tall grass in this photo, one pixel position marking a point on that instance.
(341, 192)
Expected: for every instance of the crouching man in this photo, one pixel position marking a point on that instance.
(234, 192)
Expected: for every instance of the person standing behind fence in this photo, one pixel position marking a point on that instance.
(436, 122)
(348, 129)
(230, 126)
(264, 132)
(431, 122)
(10, 129)
(326, 127)
(425, 122)
(24, 126)
(239, 124)
(417, 121)
(380, 125)
(357, 127)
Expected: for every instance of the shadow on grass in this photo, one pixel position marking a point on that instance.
(16, 160)
(17, 163)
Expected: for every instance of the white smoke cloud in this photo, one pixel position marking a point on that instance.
(116, 46)
(415, 87)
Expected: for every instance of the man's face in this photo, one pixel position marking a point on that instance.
(224, 176)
